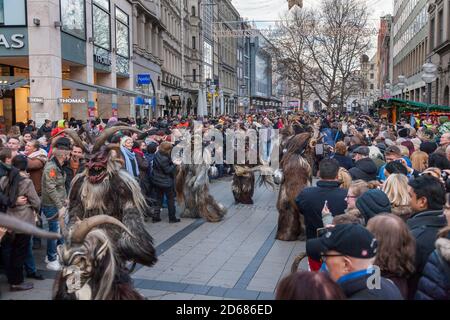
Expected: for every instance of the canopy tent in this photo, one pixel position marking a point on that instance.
(413, 106)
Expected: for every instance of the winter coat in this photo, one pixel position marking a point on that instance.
(36, 163)
(355, 287)
(403, 212)
(9, 194)
(44, 131)
(435, 281)
(344, 161)
(424, 226)
(26, 212)
(311, 200)
(142, 163)
(53, 185)
(163, 173)
(364, 169)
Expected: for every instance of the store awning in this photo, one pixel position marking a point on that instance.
(81, 86)
(414, 106)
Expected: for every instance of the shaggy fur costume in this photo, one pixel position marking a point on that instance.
(296, 176)
(194, 199)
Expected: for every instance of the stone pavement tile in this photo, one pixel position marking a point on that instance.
(241, 294)
(197, 289)
(177, 296)
(266, 296)
(148, 274)
(46, 284)
(152, 294)
(161, 285)
(203, 297)
(217, 291)
(220, 282)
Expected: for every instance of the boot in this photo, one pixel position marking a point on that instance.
(156, 216)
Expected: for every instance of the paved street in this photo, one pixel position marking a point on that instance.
(237, 258)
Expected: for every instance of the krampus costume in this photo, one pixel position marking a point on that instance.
(297, 174)
(104, 189)
(192, 187)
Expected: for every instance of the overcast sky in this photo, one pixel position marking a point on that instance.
(263, 11)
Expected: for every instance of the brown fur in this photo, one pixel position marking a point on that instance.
(296, 175)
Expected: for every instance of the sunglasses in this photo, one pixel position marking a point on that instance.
(324, 257)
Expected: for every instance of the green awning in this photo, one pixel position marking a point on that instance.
(413, 106)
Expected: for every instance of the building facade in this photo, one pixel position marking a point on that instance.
(260, 74)
(147, 55)
(67, 58)
(410, 43)
(384, 53)
(439, 48)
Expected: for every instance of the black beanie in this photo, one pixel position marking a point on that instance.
(403, 133)
(373, 202)
(428, 147)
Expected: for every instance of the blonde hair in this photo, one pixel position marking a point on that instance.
(396, 189)
(419, 160)
(345, 178)
(404, 150)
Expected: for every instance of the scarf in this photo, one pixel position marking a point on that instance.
(129, 156)
(41, 153)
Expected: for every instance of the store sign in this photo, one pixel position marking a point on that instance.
(39, 100)
(103, 59)
(13, 41)
(144, 78)
(71, 100)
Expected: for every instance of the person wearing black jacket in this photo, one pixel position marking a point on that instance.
(45, 129)
(310, 201)
(9, 198)
(435, 281)
(364, 169)
(427, 200)
(163, 180)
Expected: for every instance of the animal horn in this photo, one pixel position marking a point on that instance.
(82, 228)
(75, 137)
(17, 225)
(108, 133)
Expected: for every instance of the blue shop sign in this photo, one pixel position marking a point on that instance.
(144, 78)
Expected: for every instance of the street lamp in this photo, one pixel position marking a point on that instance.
(429, 75)
(402, 83)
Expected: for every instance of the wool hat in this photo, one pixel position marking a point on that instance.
(373, 202)
(403, 133)
(428, 147)
(63, 143)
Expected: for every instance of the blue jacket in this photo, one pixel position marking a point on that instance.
(355, 287)
(382, 177)
(435, 281)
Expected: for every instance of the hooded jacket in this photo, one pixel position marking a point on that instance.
(364, 169)
(435, 281)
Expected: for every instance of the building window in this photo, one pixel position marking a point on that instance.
(122, 34)
(73, 17)
(441, 26)
(194, 75)
(12, 13)
(432, 23)
(371, 86)
(193, 43)
(193, 11)
(101, 24)
(371, 76)
(372, 67)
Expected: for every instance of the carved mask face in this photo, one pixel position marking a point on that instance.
(96, 165)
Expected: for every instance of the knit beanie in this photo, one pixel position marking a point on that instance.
(373, 202)
(428, 147)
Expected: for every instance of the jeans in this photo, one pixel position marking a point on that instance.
(170, 194)
(53, 226)
(30, 266)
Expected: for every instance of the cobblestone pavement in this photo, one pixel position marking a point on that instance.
(237, 258)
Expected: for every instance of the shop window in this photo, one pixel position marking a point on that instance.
(122, 34)
(73, 17)
(101, 24)
(12, 13)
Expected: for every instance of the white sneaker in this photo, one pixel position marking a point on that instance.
(54, 265)
(46, 258)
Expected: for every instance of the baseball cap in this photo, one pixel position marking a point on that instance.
(352, 240)
(362, 151)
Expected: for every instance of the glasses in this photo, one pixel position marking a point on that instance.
(324, 257)
(351, 197)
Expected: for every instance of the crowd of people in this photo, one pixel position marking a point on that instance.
(385, 186)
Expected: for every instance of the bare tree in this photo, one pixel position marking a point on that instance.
(321, 49)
